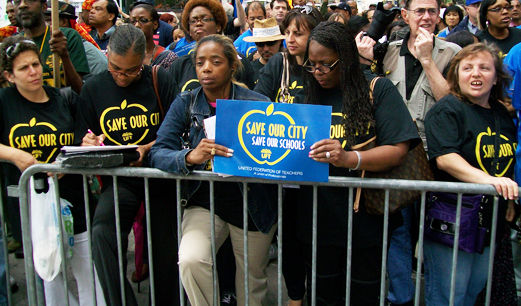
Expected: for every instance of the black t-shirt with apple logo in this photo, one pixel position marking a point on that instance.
(41, 129)
(125, 115)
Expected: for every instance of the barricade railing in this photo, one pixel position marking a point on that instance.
(35, 293)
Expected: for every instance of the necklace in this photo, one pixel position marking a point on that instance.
(43, 40)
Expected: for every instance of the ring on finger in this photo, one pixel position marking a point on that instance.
(328, 155)
(212, 152)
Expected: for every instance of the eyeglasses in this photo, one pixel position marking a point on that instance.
(419, 12)
(500, 9)
(309, 66)
(141, 20)
(195, 20)
(14, 48)
(266, 43)
(130, 73)
(17, 2)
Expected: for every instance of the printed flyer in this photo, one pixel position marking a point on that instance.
(271, 140)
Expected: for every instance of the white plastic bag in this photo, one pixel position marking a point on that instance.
(45, 232)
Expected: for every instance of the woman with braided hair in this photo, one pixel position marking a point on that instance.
(334, 77)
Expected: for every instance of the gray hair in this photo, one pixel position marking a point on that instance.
(127, 37)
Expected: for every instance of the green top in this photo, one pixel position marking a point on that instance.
(76, 54)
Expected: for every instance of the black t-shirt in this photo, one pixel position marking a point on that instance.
(231, 30)
(393, 125)
(42, 129)
(185, 78)
(270, 76)
(256, 65)
(413, 68)
(453, 126)
(504, 44)
(126, 115)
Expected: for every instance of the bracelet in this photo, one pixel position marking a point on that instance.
(359, 162)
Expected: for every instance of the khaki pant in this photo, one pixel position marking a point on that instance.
(195, 258)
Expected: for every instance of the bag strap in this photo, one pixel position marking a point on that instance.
(155, 68)
(356, 203)
(284, 80)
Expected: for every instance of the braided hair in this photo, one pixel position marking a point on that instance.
(356, 105)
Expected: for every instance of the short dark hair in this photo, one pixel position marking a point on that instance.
(254, 5)
(18, 45)
(149, 8)
(112, 8)
(127, 38)
(453, 8)
(408, 3)
(272, 3)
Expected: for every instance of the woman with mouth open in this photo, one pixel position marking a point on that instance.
(463, 131)
(216, 64)
(495, 17)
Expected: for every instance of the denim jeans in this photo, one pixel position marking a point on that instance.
(3, 280)
(471, 274)
(399, 261)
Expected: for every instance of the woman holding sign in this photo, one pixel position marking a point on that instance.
(334, 77)
(216, 64)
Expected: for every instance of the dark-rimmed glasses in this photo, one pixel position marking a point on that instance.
(500, 9)
(309, 66)
(419, 12)
(141, 20)
(130, 73)
(205, 19)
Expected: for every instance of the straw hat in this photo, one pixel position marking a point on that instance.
(265, 30)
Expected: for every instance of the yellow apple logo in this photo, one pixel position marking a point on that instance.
(257, 129)
(291, 87)
(115, 122)
(487, 150)
(29, 140)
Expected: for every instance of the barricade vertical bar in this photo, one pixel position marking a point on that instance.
(212, 236)
(119, 238)
(27, 243)
(279, 248)
(3, 197)
(384, 248)
(245, 237)
(349, 246)
(179, 234)
(493, 233)
(149, 244)
(455, 252)
(89, 229)
(314, 250)
(57, 203)
(420, 250)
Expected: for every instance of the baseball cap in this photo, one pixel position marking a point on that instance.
(342, 5)
(470, 2)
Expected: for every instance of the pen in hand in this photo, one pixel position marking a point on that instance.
(91, 132)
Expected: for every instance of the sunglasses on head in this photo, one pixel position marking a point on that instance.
(266, 43)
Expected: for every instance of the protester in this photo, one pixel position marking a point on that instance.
(280, 9)
(334, 77)
(254, 11)
(451, 17)
(102, 18)
(163, 32)
(494, 17)
(339, 17)
(516, 13)
(170, 18)
(354, 7)
(216, 65)
(268, 39)
(454, 125)
(31, 110)
(65, 42)
(470, 22)
(203, 18)
(146, 18)
(11, 14)
(342, 8)
(112, 100)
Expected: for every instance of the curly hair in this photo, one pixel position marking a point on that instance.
(502, 77)
(215, 7)
(356, 105)
(12, 47)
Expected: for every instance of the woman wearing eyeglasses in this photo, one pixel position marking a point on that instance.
(202, 18)
(495, 17)
(334, 77)
(146, 18)
(36, 120)
(122, 108)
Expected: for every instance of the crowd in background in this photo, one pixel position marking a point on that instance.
(442, 76)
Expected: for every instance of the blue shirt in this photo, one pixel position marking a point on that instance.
(244, 47)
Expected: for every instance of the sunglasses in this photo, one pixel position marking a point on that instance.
(266, 43)
(12, 49)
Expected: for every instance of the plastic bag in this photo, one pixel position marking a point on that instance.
(45, 232)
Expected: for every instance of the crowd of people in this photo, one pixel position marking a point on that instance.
(413, 73)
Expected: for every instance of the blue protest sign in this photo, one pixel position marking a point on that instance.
(271, 140)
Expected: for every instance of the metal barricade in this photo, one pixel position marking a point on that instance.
(35, 295)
